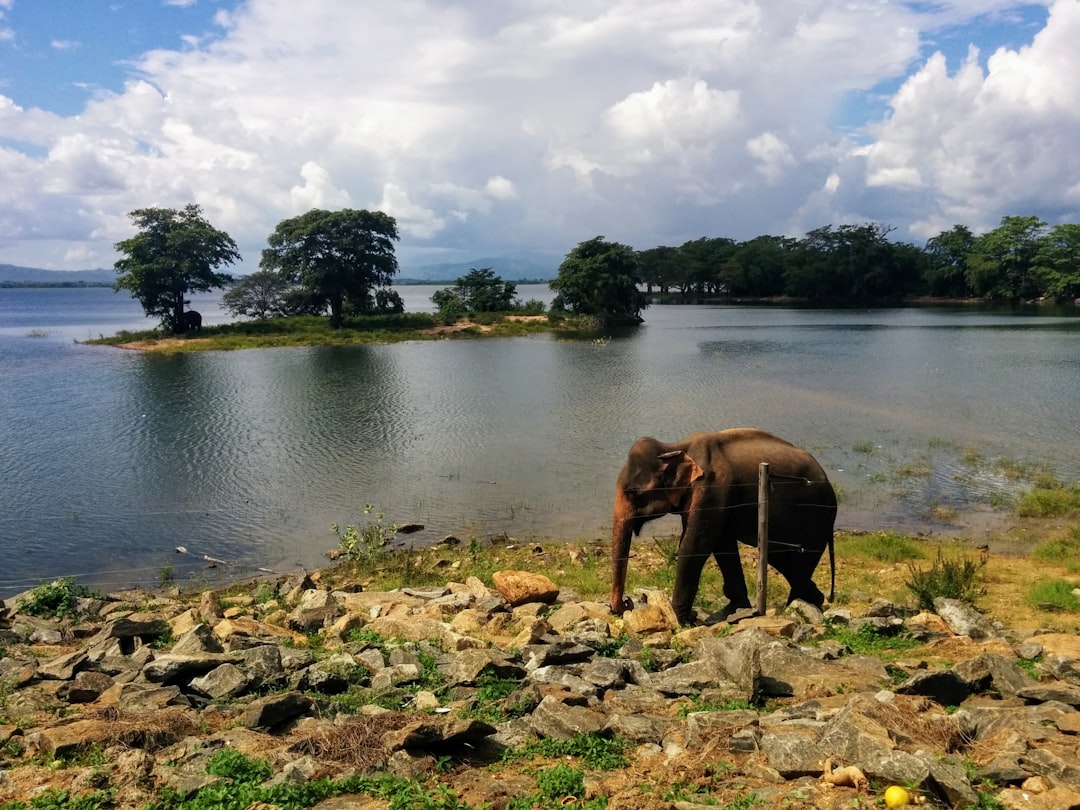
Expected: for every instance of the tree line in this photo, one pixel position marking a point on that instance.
(1022, 259)
(342, 263)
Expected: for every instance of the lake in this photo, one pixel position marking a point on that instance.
(110, 459)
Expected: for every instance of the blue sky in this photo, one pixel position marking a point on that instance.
(487, 127)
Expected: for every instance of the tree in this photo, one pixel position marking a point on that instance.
(1001, 262)
(1057, 262)
(947, 255)
(476, 291)
(600, 279)
(176, 252)
(337, 257)
(258, 295)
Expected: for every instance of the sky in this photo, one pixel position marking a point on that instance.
(502, 127)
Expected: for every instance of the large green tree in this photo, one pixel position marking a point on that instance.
(600, 279)
(1057, 262)
(258, 295)
(175, 252)
(476, 291)
(947, 255)
(338, 258)
(1002, 261)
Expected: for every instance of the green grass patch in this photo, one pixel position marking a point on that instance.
(1054, 595)
(595, 752)
(1063, 551)
(886, 546)
(56, 599)
(868, 640)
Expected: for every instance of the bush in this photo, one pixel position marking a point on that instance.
(1049, 498)
(890, 547)
(56, 599)
(367, 545)
(949, 579)
(1060, 551)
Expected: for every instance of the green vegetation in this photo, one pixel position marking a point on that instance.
(596, 753)
(260, 295)
(174, 253)
(599, 279)
(366, 545)
(338, 259)
(1054, 594)
(1022, 259)
(947, 578)
(62, 800)
(886, 546)
(1050, 498)
(868, 640)
(476, 291)
(55, 599)
(1064, 551)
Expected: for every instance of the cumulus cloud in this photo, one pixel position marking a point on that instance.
(486, 127)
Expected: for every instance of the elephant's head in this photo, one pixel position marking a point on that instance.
(654, 482)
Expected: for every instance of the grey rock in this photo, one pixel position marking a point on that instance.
(562, 676)
(746, 740)
(199, 639)
(87, 687)
(1046, 763)
(62, 668)
(692, 677)
(1040, 693)
(607, 673)
(396, 675)
(990, 670)
(554, 719)
(274, 711)
(438, 734)
(950, 781)
(175, 669)
(262, 664)
(811, 614)
(792, 754)
(226, 680)
(943, 686)
(703, 728)
(371, 658)
(316, 609)
(559, 652)
(468, 666)
(638, 728)
(331, 676)
(963, 619)
(891, 766)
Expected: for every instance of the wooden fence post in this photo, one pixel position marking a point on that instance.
(762, 535)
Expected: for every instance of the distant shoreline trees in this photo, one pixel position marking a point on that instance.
(1023, 259)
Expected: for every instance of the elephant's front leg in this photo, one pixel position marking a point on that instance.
(727, 557)
(693, 552)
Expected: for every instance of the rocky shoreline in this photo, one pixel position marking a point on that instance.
(326, 681)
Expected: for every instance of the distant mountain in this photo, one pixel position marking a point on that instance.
(508, 268)
(11, 275)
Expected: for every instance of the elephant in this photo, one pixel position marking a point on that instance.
(192, 321)
(711, 481)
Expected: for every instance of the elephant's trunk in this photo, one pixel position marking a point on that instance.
(622, 529)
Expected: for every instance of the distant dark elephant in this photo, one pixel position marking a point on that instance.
(192, 321)
(711, 481)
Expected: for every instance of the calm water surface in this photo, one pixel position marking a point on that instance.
(110, 459)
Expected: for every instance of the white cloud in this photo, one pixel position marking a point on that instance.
(537, 125)
(64, 44)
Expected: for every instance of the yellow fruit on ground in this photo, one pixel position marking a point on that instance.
(896, 796)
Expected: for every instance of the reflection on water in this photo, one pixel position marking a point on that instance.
(110, 459)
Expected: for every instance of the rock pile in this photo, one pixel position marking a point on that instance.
(394, 680)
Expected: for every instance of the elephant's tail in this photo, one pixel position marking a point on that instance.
(832, 570)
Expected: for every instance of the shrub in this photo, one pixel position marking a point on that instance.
(231, 764)
(56, 599)
(1049, 498)
(950, 579)
(367, 545)
(1060, 551)
(559, 781)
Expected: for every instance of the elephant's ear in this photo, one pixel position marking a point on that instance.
(686, 471)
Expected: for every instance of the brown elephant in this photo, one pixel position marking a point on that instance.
(711, 481)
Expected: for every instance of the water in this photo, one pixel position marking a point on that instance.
(111, 459)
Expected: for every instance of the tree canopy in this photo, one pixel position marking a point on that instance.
(175, 252)
(337, 258)
(476, 291)
(1021, 260)
(261, 294)
(600, 279)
